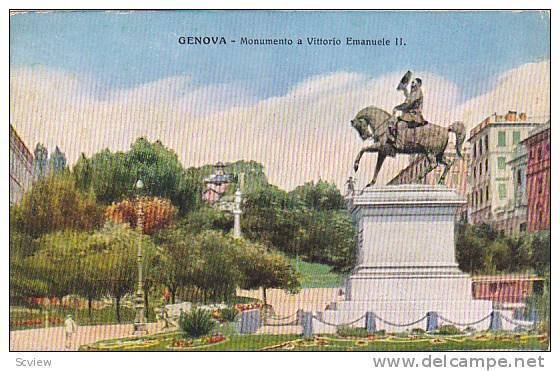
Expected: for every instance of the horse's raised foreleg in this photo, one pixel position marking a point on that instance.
(442, 160)
(380, 159)
(371, 148)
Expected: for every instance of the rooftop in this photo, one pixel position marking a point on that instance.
(512, 117)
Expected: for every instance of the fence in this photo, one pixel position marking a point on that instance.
(251, 321)
(432, 322)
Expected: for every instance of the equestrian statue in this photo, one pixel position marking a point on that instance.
(408, 133)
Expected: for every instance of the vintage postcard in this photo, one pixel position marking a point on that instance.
(250, 180)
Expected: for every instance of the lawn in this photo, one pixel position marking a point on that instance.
(317, 275)
(24, 318)
(378, 342)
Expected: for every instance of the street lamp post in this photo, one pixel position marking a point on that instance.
(140, 320)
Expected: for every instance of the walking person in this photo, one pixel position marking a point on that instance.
(70, 327)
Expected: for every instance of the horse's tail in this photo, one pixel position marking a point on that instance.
(458, 128)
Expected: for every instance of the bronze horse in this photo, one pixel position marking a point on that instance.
(429, 140)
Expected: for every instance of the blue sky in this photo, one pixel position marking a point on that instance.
(85, 81)
(122, 50)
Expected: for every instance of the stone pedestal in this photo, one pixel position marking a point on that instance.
(406, 263)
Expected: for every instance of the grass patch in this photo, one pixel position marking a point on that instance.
(314, 275)
(375, 342)
(22, 318)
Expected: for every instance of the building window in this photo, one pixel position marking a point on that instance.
(502, 191)
(474, 172)
(480, 171)
(539, 153)
(501, 163)
(474, 150)
(519, 177)
(486, 165)
(501, 138)
(487, 193)
(486, 142)
(539, 184)
(480, 146)
(516, 137)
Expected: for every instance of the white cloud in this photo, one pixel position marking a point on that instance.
(300, 136)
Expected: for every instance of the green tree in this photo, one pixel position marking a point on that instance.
(54, 204)
(218, 273)
(58, 262)
(262, 268)
(112, 176)
(40, 161)
(469, 249)
(180, 259)
(113, 257)
(57, 161)
(206, 218)
(540, 247)
(320, 196)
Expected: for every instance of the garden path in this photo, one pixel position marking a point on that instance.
(53, 338)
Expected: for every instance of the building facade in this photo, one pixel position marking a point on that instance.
(493, 143)
(21, 167)
(538, 178)
(456, 179)
(514, 219)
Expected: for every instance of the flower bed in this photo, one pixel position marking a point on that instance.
(245, 307)
(185, 344)
(36, 322)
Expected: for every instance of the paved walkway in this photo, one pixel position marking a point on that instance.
(53, 338)
(286, 305)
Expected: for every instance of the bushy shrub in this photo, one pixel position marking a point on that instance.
(417, 331)
(449, 330)
(196, 323)
(228, 314)
(347, 331)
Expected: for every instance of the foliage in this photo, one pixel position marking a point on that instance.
(304, 222)
(23, 281)
(198, 322)
(481, 249)
(180, 258)
(57, 161)
(320, 196)
(206, 218)
(58, 262)
(111, 176)
(218, 274)
(40, 161)
(158, 213)
(112, 258)
(54, 204)
(229, 314)
(448, 330)
(21, 244)
(347, 331)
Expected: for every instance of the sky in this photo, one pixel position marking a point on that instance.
(86, 81)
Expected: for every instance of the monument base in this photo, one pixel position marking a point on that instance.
(406, 264)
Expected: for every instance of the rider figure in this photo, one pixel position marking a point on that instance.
(411, 108)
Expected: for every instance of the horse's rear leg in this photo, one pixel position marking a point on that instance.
(432, 164)
(442, 160)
